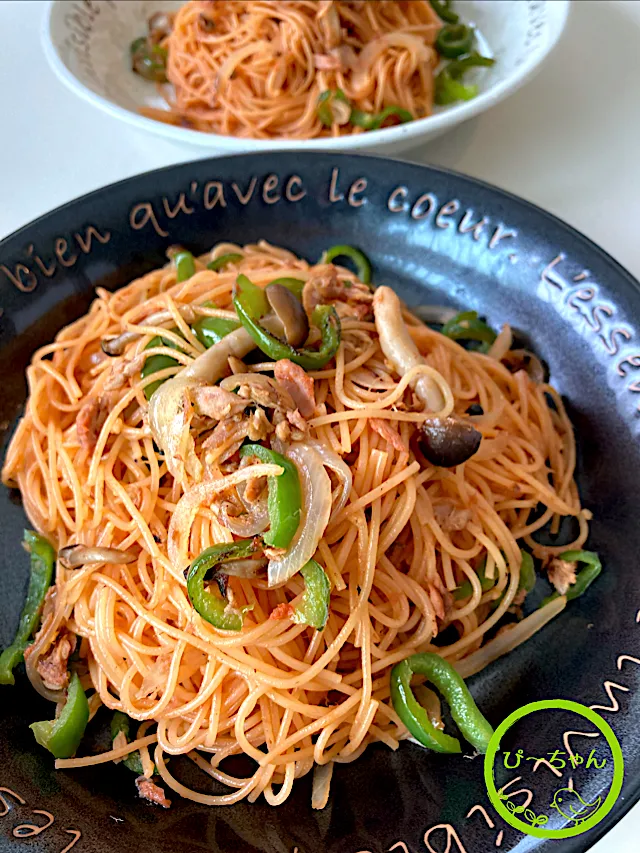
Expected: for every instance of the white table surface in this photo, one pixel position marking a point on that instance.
(568, 141)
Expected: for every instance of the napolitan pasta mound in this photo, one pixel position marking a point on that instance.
(300, 69)
(274, 495)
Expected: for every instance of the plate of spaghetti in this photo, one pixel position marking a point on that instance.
(321, 475)
(336, 74)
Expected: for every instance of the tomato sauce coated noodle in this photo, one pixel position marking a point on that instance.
(409, 549)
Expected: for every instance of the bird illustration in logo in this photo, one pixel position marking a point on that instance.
(571, 805)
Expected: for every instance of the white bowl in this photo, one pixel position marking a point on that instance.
(87, 46)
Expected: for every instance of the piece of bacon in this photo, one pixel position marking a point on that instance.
(148, 790)
(390, 435)
(90, 420)
(282, 611)
(298, 383)
(53, 667)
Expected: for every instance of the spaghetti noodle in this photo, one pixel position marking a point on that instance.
(409, 548)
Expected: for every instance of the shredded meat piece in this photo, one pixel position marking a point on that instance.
(90, 420)
(216, 403)
(562, 574)
(266, 393)
(148, 790)
(324, 287)
(298, 384)
(296, 420)
(259, 427)
(255, 488)
(450, 517)
(441, 599)
(283, 431)
(389, 434)
(282, 611)
(52, 667)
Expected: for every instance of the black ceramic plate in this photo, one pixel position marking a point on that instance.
(437, 237)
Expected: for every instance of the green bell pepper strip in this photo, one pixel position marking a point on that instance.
(467, 326)
(62, 736)
(295, 285)
(325, 102)
(185, 265)
(458, 66)
(448, 90)
(211, 330)
(324, 316)
(43, 558)
(358, 258)
(584, 578)
(443, 10)
(253, 297)
(121, 723)
(223, 260)
(374, 121)
(454, 40)
(314, 608)
(464, 710)
(527, 579)
(212, 607)
(448, 85)
(157, 362)
(284, 501)
(527, 572)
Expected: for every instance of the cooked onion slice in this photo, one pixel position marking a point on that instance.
(247, 525)
(508, 641)
(316, 507)
(198, 495)
(322, 774)
(83, 555)
(340, 469)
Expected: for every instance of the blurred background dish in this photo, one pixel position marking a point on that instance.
(90, 51)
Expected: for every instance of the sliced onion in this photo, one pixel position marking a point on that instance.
(44, 638)
(199, 495)
(322, 774)
(510, 639)
(316, 507)
(502, 344)
(340, 468)
(414, 44)
(84, 555)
